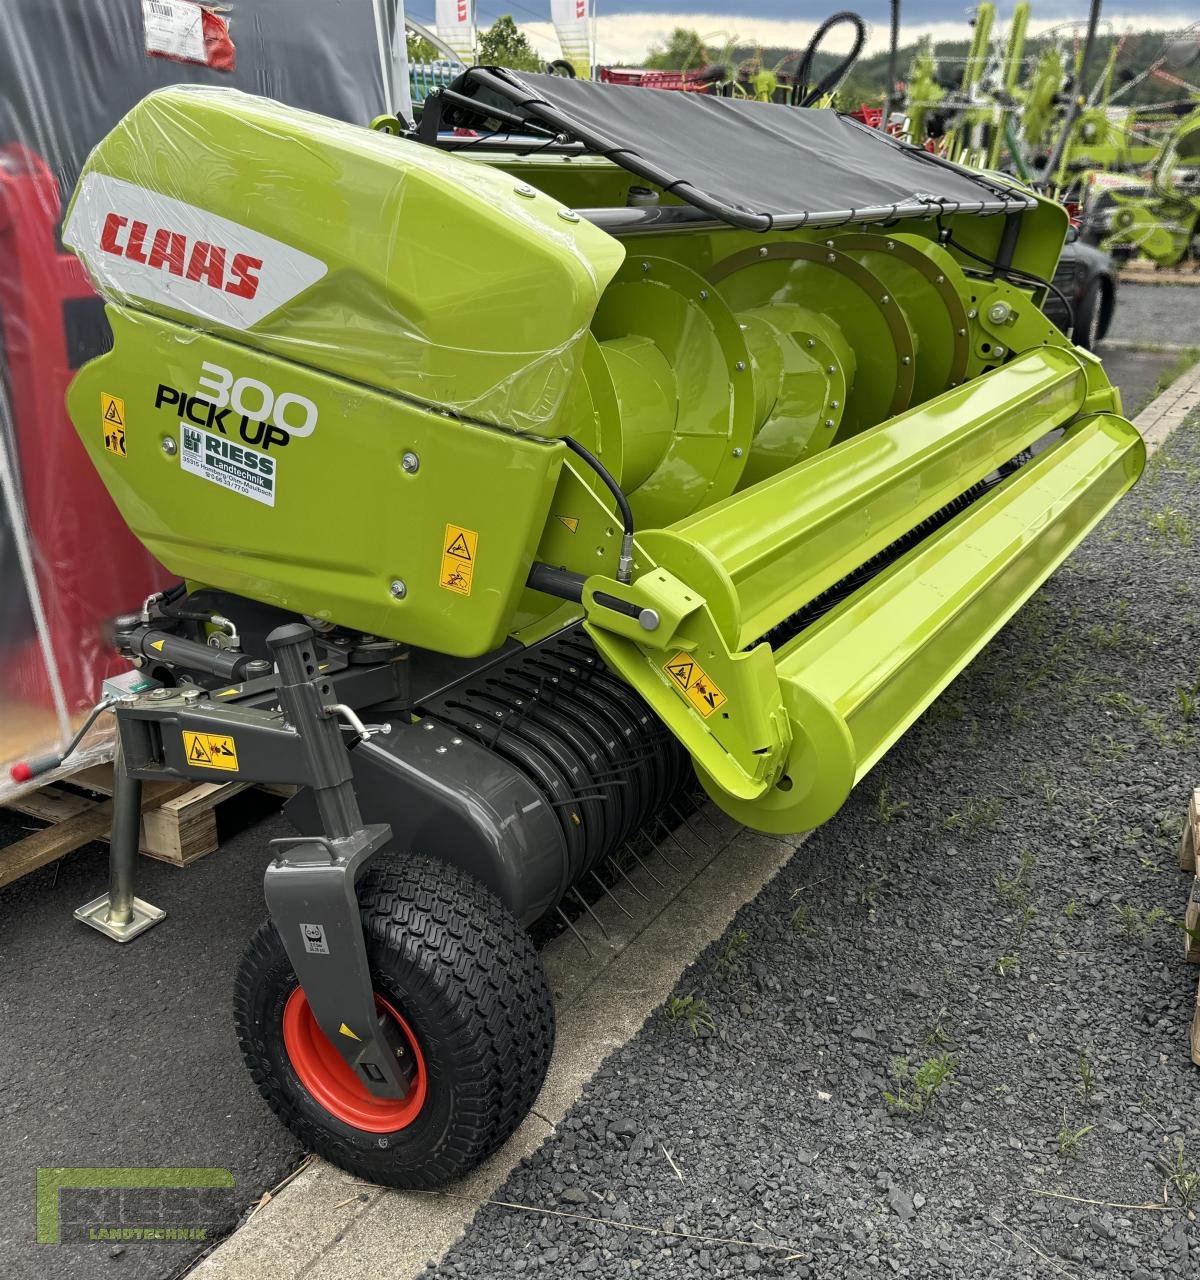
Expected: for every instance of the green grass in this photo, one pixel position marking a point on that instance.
(1171, 525)
(729, 952)
(979, 814)
(917, 1089)
(1189, 701)
(1184, 1178)
(1087, 1076)
(936, 1036)
(1135, 922)
(1069, 1138)
(689, 1011)
(1183, 363)
(887, 809)
(801, 921)
(1010, 890)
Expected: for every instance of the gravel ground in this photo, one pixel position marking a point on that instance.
(994, 907)
(1158, 314)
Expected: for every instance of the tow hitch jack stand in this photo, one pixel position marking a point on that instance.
(118, 914)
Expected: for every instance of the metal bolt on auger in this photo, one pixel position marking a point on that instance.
(999, 312)
(410, 463)
(169, 447)
(398, 589)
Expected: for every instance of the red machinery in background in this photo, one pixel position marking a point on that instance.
(88, 565)
(699, 80)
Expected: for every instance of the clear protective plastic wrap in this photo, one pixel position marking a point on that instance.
(69, 71)
(345, 250)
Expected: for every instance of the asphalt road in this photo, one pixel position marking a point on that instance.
(126, 1056)
(1164, 318)
(1137, 372)
(1158, 314)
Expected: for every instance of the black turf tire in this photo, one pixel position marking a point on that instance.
(469, 982)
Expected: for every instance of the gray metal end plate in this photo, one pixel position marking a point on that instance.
(95, 913)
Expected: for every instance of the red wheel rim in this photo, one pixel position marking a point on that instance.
(327, 1076)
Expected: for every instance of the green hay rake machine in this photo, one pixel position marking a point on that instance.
(1157, 217)
(521, 473)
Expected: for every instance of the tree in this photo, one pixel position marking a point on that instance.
(420, 50)
(503, 45)
(684, 51)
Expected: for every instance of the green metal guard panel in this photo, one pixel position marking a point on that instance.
(856, 680)
(253, 520)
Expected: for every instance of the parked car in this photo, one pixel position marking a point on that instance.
(1087, 277)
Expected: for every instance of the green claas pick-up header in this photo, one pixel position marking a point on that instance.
(522, 471)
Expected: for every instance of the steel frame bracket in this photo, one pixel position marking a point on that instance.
(310, 893)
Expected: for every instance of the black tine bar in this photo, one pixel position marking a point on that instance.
(613, 896)
(698, 808)
(562, 915)
(684, 821)
(583, 902)
(612, 862)
(662, 822)
(645, 831)
(634, 854)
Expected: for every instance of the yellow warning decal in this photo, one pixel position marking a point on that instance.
(572, 522)
(459, 547)
(157, 644)
(694, 684)
(112, 423)
(345, 1030)
(211, 750)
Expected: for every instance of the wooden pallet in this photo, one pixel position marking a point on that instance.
(1189, 855)
(179, 820)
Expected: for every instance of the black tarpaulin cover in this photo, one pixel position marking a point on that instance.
(764, 163)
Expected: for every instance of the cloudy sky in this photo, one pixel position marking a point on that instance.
(626, 28)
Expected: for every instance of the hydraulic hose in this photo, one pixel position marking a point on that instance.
(1077, 99)
(802, 96)
(625, 563)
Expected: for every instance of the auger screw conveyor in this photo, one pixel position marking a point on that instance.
(518, 474)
